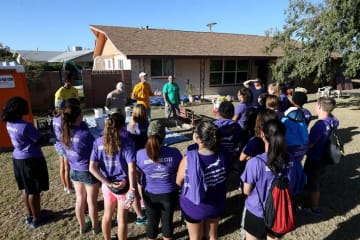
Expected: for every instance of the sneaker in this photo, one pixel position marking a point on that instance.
(87, 226)
(70, 191)
(97, 230)
(141, 220)
(35, 224)
(114, 237)
(28, 219)
(316, 211)
(65, 189)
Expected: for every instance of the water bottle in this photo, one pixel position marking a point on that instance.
(129, 199)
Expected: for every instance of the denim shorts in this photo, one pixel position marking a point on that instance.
(60, 152)
(82, 176)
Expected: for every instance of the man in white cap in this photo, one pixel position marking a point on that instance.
(116, 99)
(142, 92)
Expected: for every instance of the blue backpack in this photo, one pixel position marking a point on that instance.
(296, 128)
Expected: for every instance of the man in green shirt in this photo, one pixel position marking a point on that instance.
(172, 97)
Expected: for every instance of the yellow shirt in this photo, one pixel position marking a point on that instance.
(65, 94)
(142, 93)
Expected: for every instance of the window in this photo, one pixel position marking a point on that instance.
(228, 71)
(108, 64)
(120, 64)
(162, 67)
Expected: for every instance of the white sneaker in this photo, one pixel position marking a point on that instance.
(70, 191)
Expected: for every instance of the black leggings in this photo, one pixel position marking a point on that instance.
(160, 206)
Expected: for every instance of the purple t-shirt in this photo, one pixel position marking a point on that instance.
(114, 168)
(140, 137)
(285, 103)
(213, 203)
(258, 174)
(160, 177)
(56, 121)
(79, 152)
(254, 147)
(240, 112)
(23, 136)
(230, 133)
(318, 136)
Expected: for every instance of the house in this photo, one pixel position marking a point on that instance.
(83, 58)
(214, 63)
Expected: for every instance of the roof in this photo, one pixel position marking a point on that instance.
(38, 56)
(68, 56)
(135, 42)
(53, 56)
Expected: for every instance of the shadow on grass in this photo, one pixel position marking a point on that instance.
(339, 194)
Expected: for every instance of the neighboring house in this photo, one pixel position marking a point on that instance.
(83, 58)
(79, 59)
(215, 63)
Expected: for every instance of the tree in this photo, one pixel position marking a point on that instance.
(314, 35)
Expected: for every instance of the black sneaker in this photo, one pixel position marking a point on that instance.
(28, 219)
(114, 237)
(35, 224)
(141, 220)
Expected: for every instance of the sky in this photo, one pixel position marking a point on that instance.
(53, 25)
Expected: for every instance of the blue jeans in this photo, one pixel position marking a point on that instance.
(148, 113)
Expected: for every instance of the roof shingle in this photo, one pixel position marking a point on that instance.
(159, 42)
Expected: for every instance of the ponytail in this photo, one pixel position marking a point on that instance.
(278, 156)
(208, 134)
(153, 146)
(68, 118)
(111, 138)
(66, 131)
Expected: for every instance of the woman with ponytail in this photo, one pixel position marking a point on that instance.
(202, 174)
(159, 165)
(77, 142)
(112, 162)
(260, 171)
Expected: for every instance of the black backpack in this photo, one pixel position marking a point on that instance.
(334, 149)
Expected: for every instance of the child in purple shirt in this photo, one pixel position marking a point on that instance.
(230, 131)
(314, 165)
(112, 162)
(77, 143)
(30, 168)
(298, 100)
(259, 173)
(240, 112)
(159, 165)
(202, 175)
(63, 161)
(138, 125)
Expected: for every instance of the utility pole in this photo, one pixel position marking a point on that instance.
(209, 25)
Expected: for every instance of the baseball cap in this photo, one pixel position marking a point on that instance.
(120, 86)
(156, 128)
(142, 74)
